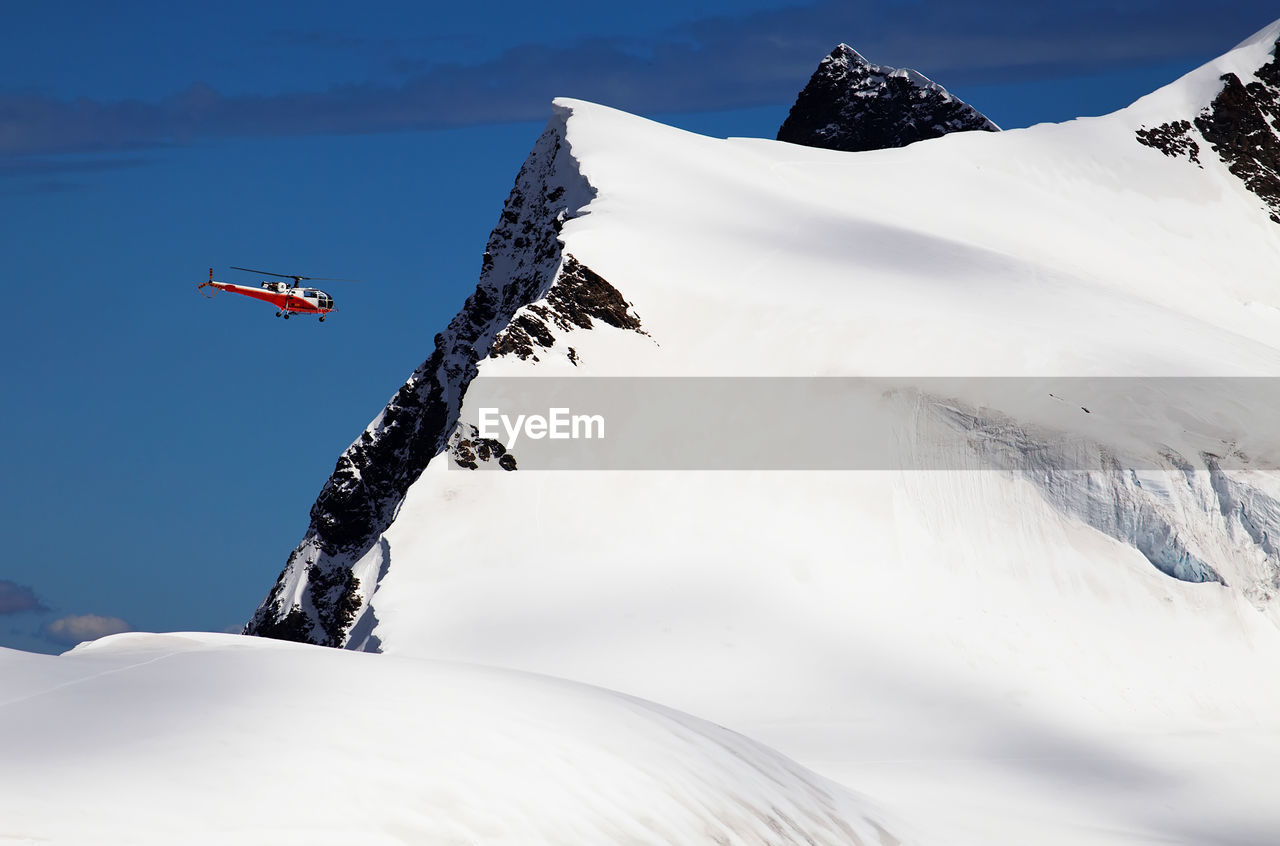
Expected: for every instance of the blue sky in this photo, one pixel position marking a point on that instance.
(164, 450)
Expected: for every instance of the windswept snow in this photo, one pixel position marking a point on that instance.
(193, 739)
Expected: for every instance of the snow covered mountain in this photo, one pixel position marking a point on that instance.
(1240, 125)
(853, 105)
(1049, 614)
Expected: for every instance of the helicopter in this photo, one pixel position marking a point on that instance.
(288, 299)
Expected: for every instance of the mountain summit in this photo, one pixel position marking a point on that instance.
(1050, 591)
(885, 272)
(853, 105)
(1241, 125)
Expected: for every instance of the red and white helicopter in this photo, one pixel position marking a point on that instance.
(288, 299)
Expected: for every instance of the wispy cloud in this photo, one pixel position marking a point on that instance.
(78, 628)
(711, 64)
(16, 598)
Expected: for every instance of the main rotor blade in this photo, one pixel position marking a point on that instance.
(328, 279)
(269, 273)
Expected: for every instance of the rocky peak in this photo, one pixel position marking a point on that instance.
(1241, 126)
(853, 105)
(322, 594)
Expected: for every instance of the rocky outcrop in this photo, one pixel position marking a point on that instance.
(318, 597)
(1241, 126)
(853, 105)
(1174, 139)
(468, 450)
(578, 299)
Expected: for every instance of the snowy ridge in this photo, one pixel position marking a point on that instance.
(323, 592)
(421, 752)
(1019, 642)
(820, 612)
(852, 105)
(1241, 124)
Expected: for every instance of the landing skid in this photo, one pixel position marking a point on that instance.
(287, 314)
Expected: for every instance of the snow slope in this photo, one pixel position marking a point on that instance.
(198, 738)
(1003, 646)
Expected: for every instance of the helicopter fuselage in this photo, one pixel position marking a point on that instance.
(288, 299)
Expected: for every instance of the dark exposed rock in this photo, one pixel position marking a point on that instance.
(520, 337)
(1173, 139)
(1241, 125)
(370, 480)
(469, 452)
(464, 457)
(293, 625)
(578, 297)
(334, 592)
(853, 105)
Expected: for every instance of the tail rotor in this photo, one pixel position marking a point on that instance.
(207, 289)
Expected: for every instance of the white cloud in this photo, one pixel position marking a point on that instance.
(81, 627)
